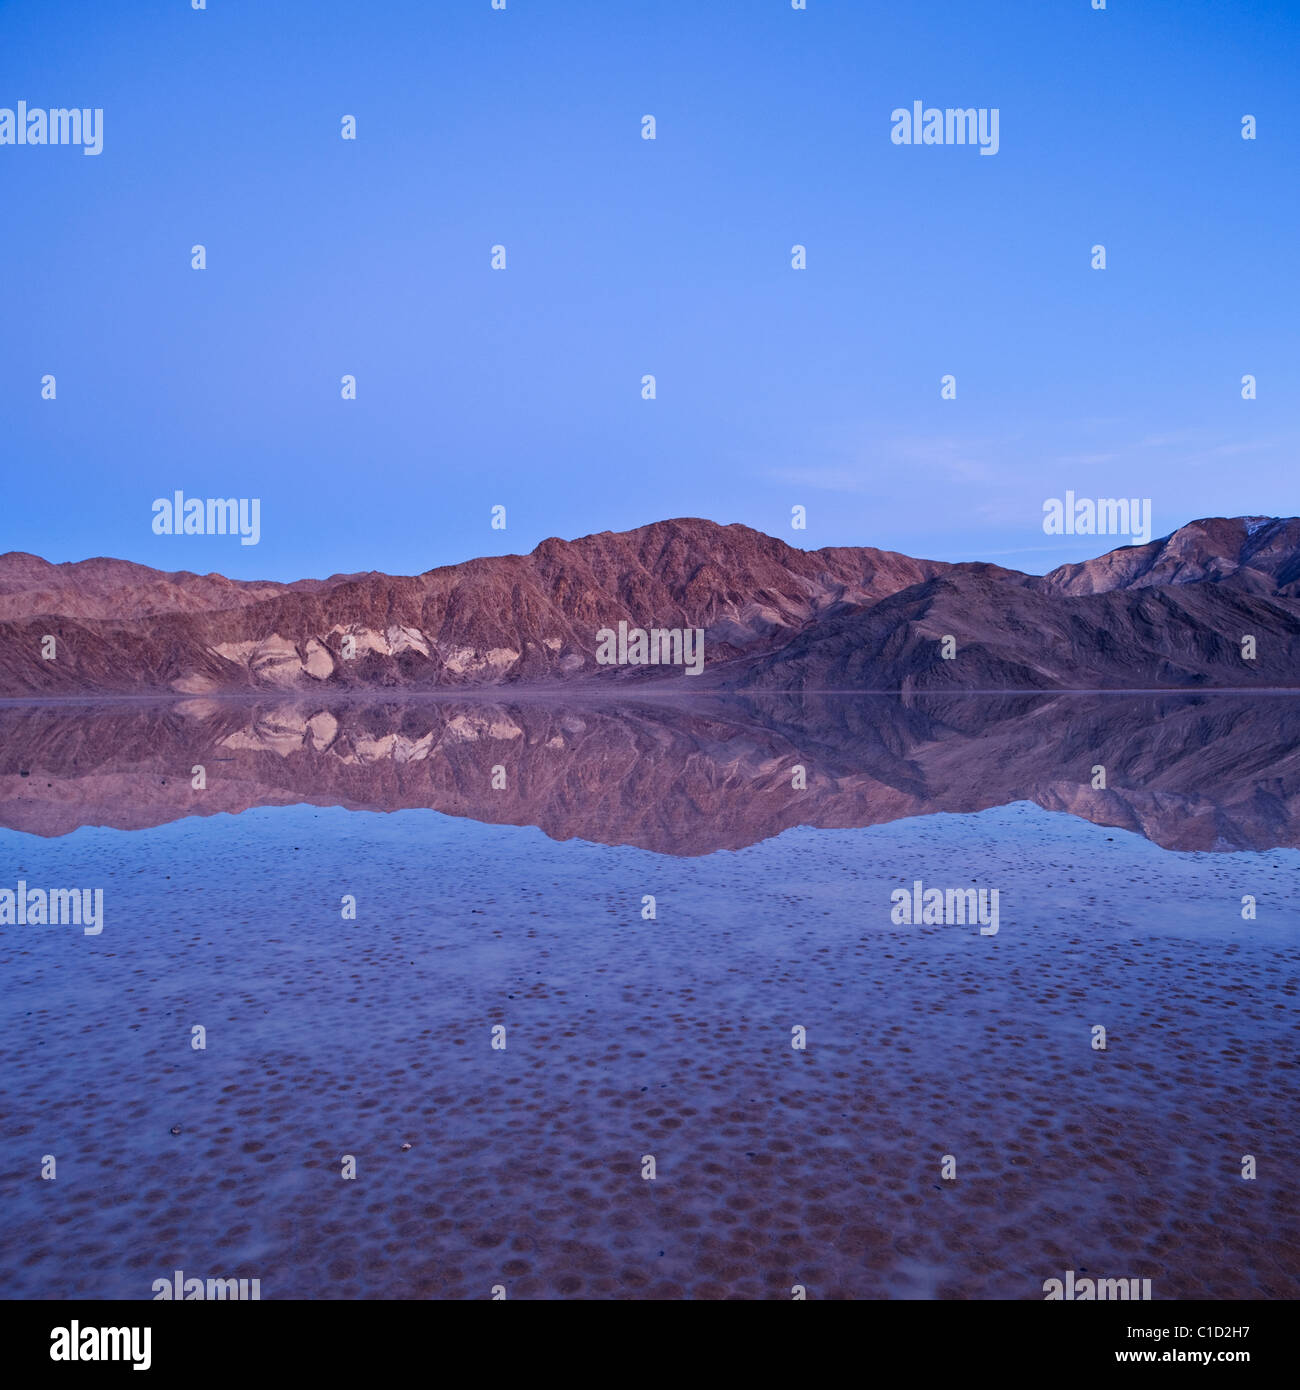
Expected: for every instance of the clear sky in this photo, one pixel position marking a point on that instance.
(626, 256)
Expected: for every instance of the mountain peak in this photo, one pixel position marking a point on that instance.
(1167, 613)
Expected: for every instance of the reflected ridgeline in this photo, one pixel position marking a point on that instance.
(1189, 772)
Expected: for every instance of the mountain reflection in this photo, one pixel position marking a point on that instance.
(1189, 772)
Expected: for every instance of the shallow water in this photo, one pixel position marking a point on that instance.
(626, 1036)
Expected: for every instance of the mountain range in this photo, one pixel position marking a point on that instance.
(1171, 614)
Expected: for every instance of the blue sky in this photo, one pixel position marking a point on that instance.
(625, 257)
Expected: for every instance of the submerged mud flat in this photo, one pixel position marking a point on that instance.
(629, 1037)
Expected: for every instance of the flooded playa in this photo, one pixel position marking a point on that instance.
(565, 1068)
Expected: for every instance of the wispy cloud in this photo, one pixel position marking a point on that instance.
(826, 479)
(884, 463)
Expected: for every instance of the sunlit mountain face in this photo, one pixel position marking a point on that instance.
(1214, 605)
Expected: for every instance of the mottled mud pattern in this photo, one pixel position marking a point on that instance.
(628, 1037)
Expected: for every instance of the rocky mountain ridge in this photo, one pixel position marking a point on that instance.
(1170, 614)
